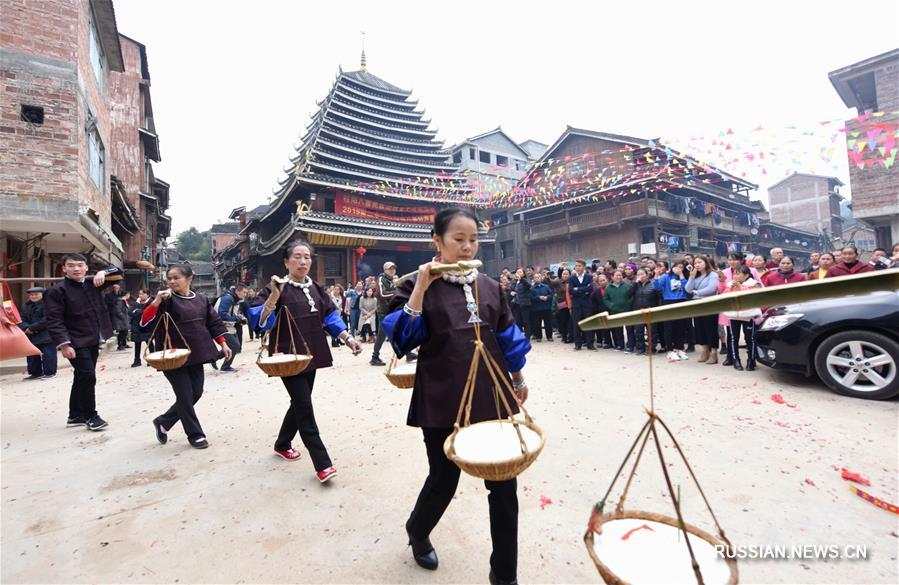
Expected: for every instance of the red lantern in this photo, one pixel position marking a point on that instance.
(360, 251)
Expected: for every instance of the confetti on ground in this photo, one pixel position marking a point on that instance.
(627, 534)
(810, 482)
(856, 477)
(544, 502)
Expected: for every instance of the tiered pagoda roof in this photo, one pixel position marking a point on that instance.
(368, 137)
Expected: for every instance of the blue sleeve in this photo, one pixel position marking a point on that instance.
(404, 332)
(515, 347)
(658, 283)
(225, 308)
(255, 313)
(333, 324)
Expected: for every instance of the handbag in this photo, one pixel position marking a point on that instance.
(9, 306)
(13, 341)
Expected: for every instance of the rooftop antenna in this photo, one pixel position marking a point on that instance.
(363, 50)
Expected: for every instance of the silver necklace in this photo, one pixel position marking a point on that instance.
(465, 279)
(304, 286)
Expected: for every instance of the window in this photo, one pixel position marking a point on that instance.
(502, 161)
(520, 165)
(457, 157)
(506, 249)
(96, 156)
(96, 54)
(485, 157)
(471, 153)
(329, 205)
(487, 252)
(33, 115)
(499, 218)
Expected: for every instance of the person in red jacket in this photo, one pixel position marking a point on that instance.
(785, 274)
(849, 264)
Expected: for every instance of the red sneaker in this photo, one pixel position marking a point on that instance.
(289, 454)
(326, 474)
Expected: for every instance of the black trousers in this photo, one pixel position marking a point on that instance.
(617, 334)
(137, 339)
(564, 317)
(581, 337)
(44, 364)
(674, 331)
(438, 491)
(379, 338)
(636, 337)
(82, 397)
(526, 318)
(603, 337)
(187, 383)
(300, 418)
(706, 330)
(122, 338)
(733, 339)
(234, 343)
(542, 321)
(238, 333)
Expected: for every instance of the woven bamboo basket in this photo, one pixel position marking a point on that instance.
(283, 365)
(658, 552)
(495, 450)
(169, 357)
(402, 379)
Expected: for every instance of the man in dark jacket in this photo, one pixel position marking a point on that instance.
(541, 308)
(78, 322)
(228, 308)
(646, 296)
(580, 287)
(34, 324)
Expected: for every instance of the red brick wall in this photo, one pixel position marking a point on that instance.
(50, 161)
(126, 148)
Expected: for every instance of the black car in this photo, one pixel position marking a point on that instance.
(852, 342)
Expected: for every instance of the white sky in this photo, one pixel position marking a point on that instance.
(234, 83)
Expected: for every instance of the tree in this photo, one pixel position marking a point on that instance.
(194, 244)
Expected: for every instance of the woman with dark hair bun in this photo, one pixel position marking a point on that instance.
(200, 325)
(313, 312)
(439, 314)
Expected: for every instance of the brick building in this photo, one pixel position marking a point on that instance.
(807, 202)
(139, 198)
(55, 62)
(222, 235)
(872, 86)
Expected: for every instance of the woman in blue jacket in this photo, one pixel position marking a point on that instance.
(672, 286)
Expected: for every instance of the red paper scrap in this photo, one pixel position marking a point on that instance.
(627, 534)
(780, 400)
(856, 477)
(544, 502)
(810, 482)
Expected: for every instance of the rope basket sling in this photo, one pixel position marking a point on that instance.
(495, 450)
(169, 358)
(283, 365)
(402, 379)
(699, 544)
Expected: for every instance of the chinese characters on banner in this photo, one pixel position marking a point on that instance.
(351, 205)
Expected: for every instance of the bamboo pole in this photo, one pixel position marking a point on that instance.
(800, 292)
(441, 268)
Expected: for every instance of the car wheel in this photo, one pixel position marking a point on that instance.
(860, 364)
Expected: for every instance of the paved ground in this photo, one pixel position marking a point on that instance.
(116, 506)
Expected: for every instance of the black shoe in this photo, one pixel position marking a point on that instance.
(538, 340)
(641, 352)
(750, 365)
(738, 365)
(200, 443)
(577, 348)
(214, 365)
(411, 357)
(160, 436)
(423, 552)
(549, 339)
(567, 341)
(30, 377)
(136, 365)
(48, 376)
(690, 349)
(728, 361)
(494, 580)
(228, 369)
(95, 423)
(76, 421)
(376, 362)
(592, 348)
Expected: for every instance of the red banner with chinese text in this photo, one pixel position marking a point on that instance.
(351, 205)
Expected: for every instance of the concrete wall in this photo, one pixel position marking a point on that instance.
(805, 202)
